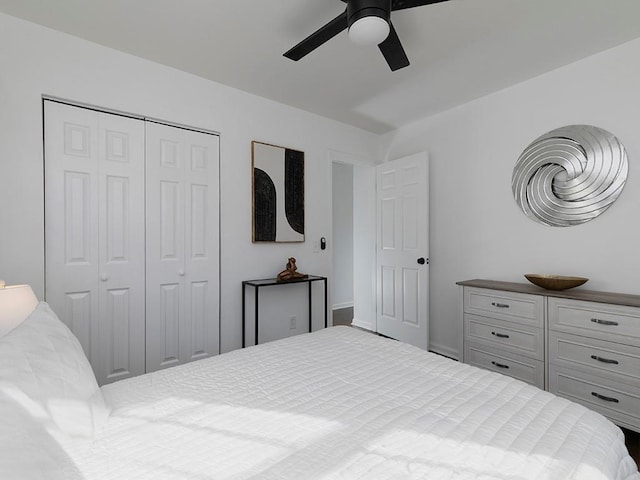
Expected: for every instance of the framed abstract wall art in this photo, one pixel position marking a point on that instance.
(278, 193)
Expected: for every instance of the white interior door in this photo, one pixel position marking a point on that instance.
(94, 212)
(402, 252)
(182, 245)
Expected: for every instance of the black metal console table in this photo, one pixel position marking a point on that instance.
(267, 282)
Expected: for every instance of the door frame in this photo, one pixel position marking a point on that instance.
(364, 291)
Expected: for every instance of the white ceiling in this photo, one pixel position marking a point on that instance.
(459, 50)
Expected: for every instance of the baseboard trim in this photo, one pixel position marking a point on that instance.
(340, 306)
(360, 324)
(445, 351)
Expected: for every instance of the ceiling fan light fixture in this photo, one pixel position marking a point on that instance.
(369, 23)
(369, 30)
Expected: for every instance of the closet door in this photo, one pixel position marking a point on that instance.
(94, 234)
(182, 245)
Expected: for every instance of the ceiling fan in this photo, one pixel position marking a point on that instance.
(369, 23)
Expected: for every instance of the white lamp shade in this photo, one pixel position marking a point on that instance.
(16, 304)
(369, 30)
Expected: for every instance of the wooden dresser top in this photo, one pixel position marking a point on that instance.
(574, 293)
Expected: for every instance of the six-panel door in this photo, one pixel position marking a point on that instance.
(132, 238)
(94, 215)
(182, 246)
(402, 250)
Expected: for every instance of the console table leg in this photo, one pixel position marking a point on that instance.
(256, 313)
(310, 323)
(243, 316)
(326, 312)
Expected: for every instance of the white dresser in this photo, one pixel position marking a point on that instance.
(504, 332)
(579, 344)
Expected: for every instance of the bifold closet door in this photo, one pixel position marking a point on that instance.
(182, 245)
(94, 234)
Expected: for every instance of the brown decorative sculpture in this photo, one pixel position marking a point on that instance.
(290, 273)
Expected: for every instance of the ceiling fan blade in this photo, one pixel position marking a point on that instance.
(403, 4)
(393, 52)
(317, 38)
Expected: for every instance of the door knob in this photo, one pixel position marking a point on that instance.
(181, 273)
(104, 277)
(422, 261)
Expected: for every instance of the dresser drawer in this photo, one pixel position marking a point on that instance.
(516, 366)
(595, 357)
(514, 307)
(513, 337)
(620, 403)
(615, 323)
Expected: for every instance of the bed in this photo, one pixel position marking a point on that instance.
(335, 404)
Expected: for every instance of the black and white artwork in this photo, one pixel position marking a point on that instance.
(278, 193)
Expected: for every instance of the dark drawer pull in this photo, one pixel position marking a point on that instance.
(605, 360)
(500, 305)
(606, 399)
(500, 335)
(500, 365)
(604, 322)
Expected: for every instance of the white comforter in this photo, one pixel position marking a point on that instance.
(344, 404)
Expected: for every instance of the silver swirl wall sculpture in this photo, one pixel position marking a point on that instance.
(570, 175)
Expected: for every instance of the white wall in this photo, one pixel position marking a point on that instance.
(342, 186)
(476, 228)
(37, 61)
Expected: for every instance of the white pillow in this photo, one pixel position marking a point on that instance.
(29, 449)
(43, 359)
